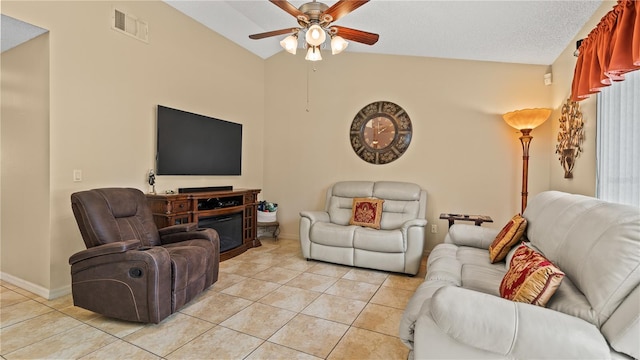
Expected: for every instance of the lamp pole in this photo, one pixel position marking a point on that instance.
(525, 140)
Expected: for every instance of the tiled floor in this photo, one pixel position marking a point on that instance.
(269, 303)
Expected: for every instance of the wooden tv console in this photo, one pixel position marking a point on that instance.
(173, 209)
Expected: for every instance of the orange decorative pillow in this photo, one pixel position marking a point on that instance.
(531, 278)
(366, 212)
(508, 236)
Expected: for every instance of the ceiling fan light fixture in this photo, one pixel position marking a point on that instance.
(338, 44)
(290, 43)
(313, 54)
(315, 35)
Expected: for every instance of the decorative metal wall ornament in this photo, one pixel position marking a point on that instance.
(570, 136)
(381, 132)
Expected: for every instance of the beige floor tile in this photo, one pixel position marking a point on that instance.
(172, 333)
(225, 280)
(313, 282)
(251, 289)
(356, 290)
(11, 297)
(328, 269)
(72, 344)
(310, 335)
(365, 275)
(263, 258)
(271, 351)
(216, 307)
(396, 298)
(218, 343)
(35, 329)
(259, 320)
(79, 313)
(120, 350)
(115, 327)
(365, 344)
(297, 263)
(22, 311)
(290, 298)
(28, 294)
(242, 268)
(7, 285)
(379, 318)
(335, 308)
(58, 303)
(403, 282)
(277, 275)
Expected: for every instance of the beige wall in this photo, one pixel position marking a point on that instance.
(462, 152)
(25, 245)
(584, 173)
(104, 89)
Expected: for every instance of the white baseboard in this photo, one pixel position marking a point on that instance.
(43, 292)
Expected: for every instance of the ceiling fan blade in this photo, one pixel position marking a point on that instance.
(288, 7)
(355, 35)
(343, 7)
(273, 33)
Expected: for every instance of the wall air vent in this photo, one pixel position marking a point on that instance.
(130, 25)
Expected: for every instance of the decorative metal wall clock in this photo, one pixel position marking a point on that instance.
(381, 132)
(570, 136)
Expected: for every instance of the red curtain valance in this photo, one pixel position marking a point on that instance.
(611, 50)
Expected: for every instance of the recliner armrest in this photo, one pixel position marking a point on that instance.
(414, 222)
(316, 216)
(178, 229)
(512, 329)
(106, 249)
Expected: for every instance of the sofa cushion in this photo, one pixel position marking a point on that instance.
(531, 278)
(332, 234)
(385, 241)
(506, 238)
(366, 212)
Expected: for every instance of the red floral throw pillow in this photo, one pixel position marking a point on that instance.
(531, 278)
(508, 236)
(366, 212)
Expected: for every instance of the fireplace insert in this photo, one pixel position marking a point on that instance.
(229, 228)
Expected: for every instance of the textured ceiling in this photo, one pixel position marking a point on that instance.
(517, 31)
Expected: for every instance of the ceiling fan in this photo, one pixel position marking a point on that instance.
(315, 18)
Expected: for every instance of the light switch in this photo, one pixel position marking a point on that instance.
(77, 175)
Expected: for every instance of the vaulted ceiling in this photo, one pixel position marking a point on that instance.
(517, 31)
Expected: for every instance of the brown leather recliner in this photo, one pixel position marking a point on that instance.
(130, 270)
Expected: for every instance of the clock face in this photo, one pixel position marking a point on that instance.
(380, 132)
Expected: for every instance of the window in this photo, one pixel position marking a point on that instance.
(618, 142)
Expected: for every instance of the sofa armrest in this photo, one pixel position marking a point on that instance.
(315, 216)
(512, 329)
(177, 229)
(414, 222)
(106, 249)
(471, 235)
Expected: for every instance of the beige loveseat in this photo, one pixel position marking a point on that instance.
(457, 313)
(397, 246)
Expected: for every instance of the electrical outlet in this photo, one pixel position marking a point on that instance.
(434, 229)
(77, 175)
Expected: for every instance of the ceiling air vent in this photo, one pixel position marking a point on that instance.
(130, 25)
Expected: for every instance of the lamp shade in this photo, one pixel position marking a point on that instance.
(313, 54)
(338, 44)
(315, 35)
(527, 118)
(290, 44)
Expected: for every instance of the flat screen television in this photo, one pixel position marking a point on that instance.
(192, 144)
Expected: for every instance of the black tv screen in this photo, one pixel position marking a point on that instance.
(192, 144)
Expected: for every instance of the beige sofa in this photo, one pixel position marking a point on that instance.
(397, 246)
(594, 314)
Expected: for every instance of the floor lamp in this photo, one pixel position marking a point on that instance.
(525, 121)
